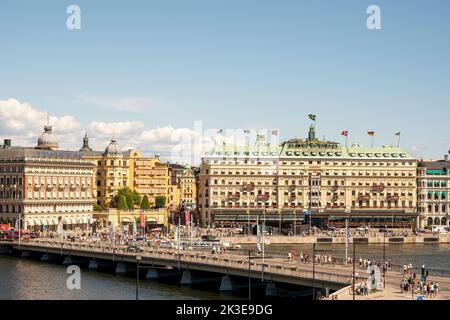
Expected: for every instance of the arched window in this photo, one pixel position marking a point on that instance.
(437, 221)
(444, 221)
(429, 221)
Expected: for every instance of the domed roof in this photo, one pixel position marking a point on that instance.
(113, 148)
(47, 140)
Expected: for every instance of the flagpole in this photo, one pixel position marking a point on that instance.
(346, 140)
(398, 140)
(373, 137)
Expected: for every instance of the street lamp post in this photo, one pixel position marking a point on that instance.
(263, 246)
(295, 223)
(346, 240)
(138, 258)
(384, 260)
(354, 275)
(179, 243)
(249, 277)
(314, 271)
(18, 224)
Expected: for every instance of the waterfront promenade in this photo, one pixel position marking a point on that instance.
(369, 239)
(274, 269)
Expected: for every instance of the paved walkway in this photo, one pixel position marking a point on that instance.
(391, 293)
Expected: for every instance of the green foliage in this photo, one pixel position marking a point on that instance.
(160, 202)
(136, 198)
(130, 201)
(98, 208)
(145, 204)
(132, 198)
(122, 203)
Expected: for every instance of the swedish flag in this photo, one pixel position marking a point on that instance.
(312, 117)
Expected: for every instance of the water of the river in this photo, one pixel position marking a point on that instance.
(31, 279)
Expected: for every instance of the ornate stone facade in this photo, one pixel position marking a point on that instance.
(374, 186)
(45, 188)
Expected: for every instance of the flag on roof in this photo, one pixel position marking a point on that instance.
(344, 133)
(397, 134)
(371, 133)
(274, 132)
(312, 117)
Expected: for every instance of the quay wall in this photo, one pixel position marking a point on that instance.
(339, 240)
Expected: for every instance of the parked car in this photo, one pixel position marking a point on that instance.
(440, 229)
(134, 249)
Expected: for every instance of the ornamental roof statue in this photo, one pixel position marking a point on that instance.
(113, 149)
(86, 147)
(47, 140)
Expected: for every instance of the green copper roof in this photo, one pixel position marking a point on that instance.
(310, 148)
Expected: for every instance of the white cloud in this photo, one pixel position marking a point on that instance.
(24, 123)
(121, 129)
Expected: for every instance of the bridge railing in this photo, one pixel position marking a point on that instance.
(200, 258)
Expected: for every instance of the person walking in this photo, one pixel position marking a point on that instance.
(360, 262)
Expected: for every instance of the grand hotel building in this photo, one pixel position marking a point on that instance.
(241, 184)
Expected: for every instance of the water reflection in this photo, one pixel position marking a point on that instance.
(28, 279)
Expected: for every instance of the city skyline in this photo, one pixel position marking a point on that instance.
(129, 72)
(198, 139)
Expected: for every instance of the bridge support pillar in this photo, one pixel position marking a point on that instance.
(93, 265)
(186, 279)
(271, 290)
(26, 254)
(49, 257)
(226, 285)
(7, 250)
(124, 268)
(168, 274)
(152, 274)
(68, 261)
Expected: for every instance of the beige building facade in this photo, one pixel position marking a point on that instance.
(375, 186)
(45, 188)
(115, 170)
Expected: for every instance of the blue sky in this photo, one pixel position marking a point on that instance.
(234, 64)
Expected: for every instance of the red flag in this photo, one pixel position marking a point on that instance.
(186, 217)
(344, 133)
(142, 219)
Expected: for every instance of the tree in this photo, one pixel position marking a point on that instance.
(136, 198)
(160, 202)
(145, 204)
(98, 208)
(130, 201)
(122, 203)
(132, 198)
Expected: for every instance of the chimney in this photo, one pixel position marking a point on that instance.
(7, 143)
(446, 157)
